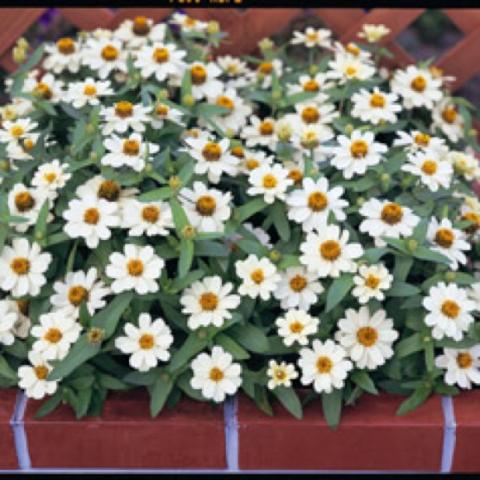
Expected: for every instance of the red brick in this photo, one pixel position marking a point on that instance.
(467, 416)
(125, 436)
(8, 456)
(370, 437)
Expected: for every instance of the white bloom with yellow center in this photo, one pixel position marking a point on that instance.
(373, 33)
(449, 311)
(367, 338)
(33, 377)
(87, 92)
(90, 218)
(448, 241)
(146, 218)
(311, 205)
(376, 106)
(106, 189)
(162, 112)
(260, 234)
(309, 138)
(312, 37)
(23, 267)
(353, 50)
(433, 171)
(46, 87)
(187, 23)
(212, 158)
(317, 84)
(355, 154)
(209, 302)
(324, 365)
(216, 375)
(21, 150)
(417, 87)
(262, 76)
(138, 268)
(146, 343)
(13, 131)
(51, 177)
(130, 152)
(465, 164)
(296, 326)
(26, 202)
(207, 209)
(105, 56)
(64, 54)
(259, 277)
(78, 287)
(328, 253)
(253, 159)
(370, 282)
(417, 140)
(280, 374)
(260, 132)
(138, 31)
(204, 80)
(462, 366)
(55, 334)
(162, 60)
(270, 181)
(346, 67)
(386, 218)
(298, 288)
(8, 317)
(124, 115)
(446, 117)
(21, 327)
(236, 71)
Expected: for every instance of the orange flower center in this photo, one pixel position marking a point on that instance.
(330, 250)
(422, 139)
(109, 53)
(146, 341)
(20, 265)
(257, 276)
(212, 152)
(269, 181)
(280, 374)
(141, 26)
(352, 49)
(310, 115)
(296, 327)
(372, 281)
(90, 90)
(41, 371)
(296, 175)
(359, 148)
(450, 309)
(367, 336)
(205, 205)
(43, 90)
(429, 167)
(317, 201)
(208, 301)
(392, 213)
(464, 360)
(324, 364)
(472, 217)
(226, 102)
(53, 335)
(311, 86)
(161, 109)
(131, 147)
(199, 74)
(24, 201)
(123, 109)
(151, 213)
(266, 128)
(161, 55)
(377, 100)
(91, 216)
(216, 374)
(135, 267)
(109, 190)
(237, 151)
(17, 131)
(449, 114)
(418, 83)
(298, 283)
(66, 46)
(77, 294)
(265, 68)
(444, 237)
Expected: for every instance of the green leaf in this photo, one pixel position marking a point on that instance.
(289, 399)
(231, 346)
(155, 195)
(403, 264)
(279, 215)
(6, 371)
(40, 232)
(108, 318)
(261, 399)
(364, 381)
(424, 253)
(192, 345)
(415, 399)
(250, 337)
(159, 393)
(332, 407)
(180, 218)
(409, 345)
(49, 405)
(251, 208)
(402, 289)
(338, 290)
(373, 255)
(186, 86)
(186, 256)
(207, 110)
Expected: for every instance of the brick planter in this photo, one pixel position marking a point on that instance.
(8, 455)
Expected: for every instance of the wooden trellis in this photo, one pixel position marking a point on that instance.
(247, 27)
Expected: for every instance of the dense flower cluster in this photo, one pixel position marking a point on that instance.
(200, 225)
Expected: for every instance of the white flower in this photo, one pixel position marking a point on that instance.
(433, 171)
(445, 116)
(235, 69)
(33, 378)
(8, 317)
(347, 67)
(260, 132)
(139, 31)
(146, 218)
(271, 181)
(253, 159)
(417, 140)
(328, 253)
(315, 113)
(311, 136)
(465, 164)
(25, 202)
(367, 338)
(280, 374)
(187, 23)
(22, 268)
(136, 269)
(87, 92)
(298, 288)
(208, 302)
(56, 332)
(131, 152)
(20, 150)
(417, 87)
(370, 282)
(79, 287)
(462, 366)
(296, 326)
(324, 365)
(263, 74)
(312, 38)
(312, 205)
(161, 60)
(12, 132)
(50, 177)
(474, 291)
(106, 189)
(90, 218)
(357, 153)
(259, 277)
(146, 344)
(123, 115)
(46, 87)
(375, 107)
(448, 241)
(162, 112)
(105, 56)
(216, 375)
(385, 218)
(373, 33)
(313, 84)
(21, 327)
(212, 158)
(204, 80)
(207, 209)
(63, 55)
(260, 234)
(449, 311)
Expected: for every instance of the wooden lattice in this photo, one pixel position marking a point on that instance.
(247, 27)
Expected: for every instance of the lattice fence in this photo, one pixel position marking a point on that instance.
(247, 27)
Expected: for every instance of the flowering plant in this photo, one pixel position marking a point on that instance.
(198, 226)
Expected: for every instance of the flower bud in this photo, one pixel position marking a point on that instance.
(188, 100)
(213, 27)
(174, 182)
(4, 165)
(450, 276)
(275, 256)
(188, 232)
(163, 94)
(412, 244)
(95, 335)
(348, 129)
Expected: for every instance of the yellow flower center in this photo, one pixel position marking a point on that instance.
(66, 46)
(265, 68)
(189, 21)
(312, 36)
(419, 84)
(206, 205)
(352, 49)
(298, 283)
(199, 74)
(367, 336)
(310, 115)
(392, 213)
(330, 250)
(359, 148)
(296, 175)
(350, 71)
(372, 281)
(422, 139)
(444, 237)
(140, 26)
(449, 114)
(123, 109)
(77, 294)
(266, 128)
(311, 86)
(151, 213)
(90, 90)
(109, 53)
(280, 374)
(450, 309)
(226, 102)
(472, 217)
(212, 152)
(16, 131)
(377, 100)
(317, 201)
(216, 374)
(20, 265)
(257, 276)
(324, 364)
(41, 371)
(109, 190)
(146, 341)
(24, 201)
(237, 151)
(135, 267)
(23, 306)
(91, 216)
(161, 55)
(269, 181)
(28, 144)
(208, 301)
(53, 335)
(252, 164)
(131, 147)
(296, 327)
(161, 110)
(429, 167)
(464, 360)
(43, 90)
